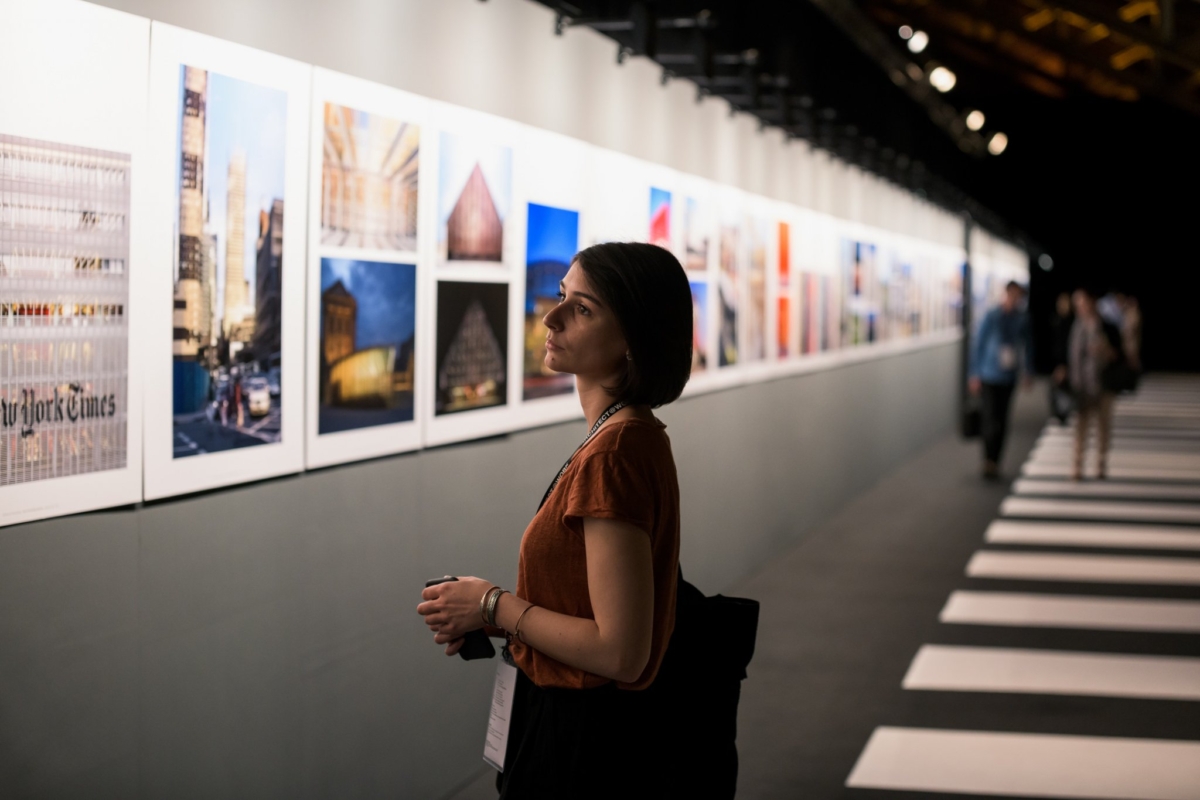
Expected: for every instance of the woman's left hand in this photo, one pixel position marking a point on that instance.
(451, 609)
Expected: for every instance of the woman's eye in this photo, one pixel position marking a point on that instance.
(561, 296)
(583, 310)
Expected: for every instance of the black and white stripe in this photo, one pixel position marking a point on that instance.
(1067, 663)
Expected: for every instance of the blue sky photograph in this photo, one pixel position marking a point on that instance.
(386, 295)
(658, 199)
(552, 237)
(240, 116)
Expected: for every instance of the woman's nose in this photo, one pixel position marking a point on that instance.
(551, 320)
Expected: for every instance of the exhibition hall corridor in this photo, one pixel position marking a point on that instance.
(1027, 637)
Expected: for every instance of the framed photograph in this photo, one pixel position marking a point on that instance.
(552, 239)
(554, 227)
(228, 129)
(475, 199)
(72, 179)
(755, 343)
(697, 230)
(367, 206)
(469, 369)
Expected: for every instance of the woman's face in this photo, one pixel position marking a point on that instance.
(583, 335)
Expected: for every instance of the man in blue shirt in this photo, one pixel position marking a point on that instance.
(1002, 351)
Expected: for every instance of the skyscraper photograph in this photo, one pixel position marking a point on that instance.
(228, 282)
(64, 332)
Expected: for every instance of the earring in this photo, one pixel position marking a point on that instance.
(628, 356)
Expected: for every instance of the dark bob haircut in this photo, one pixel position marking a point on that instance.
(648, 291)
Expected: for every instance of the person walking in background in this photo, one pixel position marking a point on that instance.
(1094, 345)
(1060, 332)
(1131, 332)
(1002, 352)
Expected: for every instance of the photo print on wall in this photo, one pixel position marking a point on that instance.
(369, 173)
(783, 337)
(860, 315)
(699, 326)
(695, 234)
(228, 284)
(727, 291)
(755, 348)
(64, 296)
(368, 313)
(471, 364)
(660, 217)
(474, 199)
(812, 317)
(552, 239)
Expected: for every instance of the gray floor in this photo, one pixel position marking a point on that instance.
(844, 612)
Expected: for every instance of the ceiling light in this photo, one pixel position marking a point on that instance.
(997, 143)
(1046, 262)
(906, 32)
(975, 120)
(919, 41)
(942, 79)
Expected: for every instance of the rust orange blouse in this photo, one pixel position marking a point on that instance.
(625, 473)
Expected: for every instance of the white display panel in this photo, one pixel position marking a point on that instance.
(72, 177)
(555, 222)
(697, 251)
(369, 186)
(468, 373)
(228, 142)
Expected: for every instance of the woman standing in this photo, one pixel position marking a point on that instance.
(594, 605)
(1093, 345)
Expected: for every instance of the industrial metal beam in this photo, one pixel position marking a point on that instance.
(1155, 40)
(847, 15)
(1178, 96)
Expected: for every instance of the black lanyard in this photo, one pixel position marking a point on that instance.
(614, 408)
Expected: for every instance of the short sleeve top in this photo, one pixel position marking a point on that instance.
(625, 472)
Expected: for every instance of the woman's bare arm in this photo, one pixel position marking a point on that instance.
(615, 645)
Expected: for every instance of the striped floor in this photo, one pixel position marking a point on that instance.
(1083, 592)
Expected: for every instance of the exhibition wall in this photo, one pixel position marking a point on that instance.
(327, 233)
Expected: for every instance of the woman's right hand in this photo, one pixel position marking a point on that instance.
(451, 609)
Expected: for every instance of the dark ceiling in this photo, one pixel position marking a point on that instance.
(1099, 100)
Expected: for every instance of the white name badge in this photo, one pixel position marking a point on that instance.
(1008, 357)
(503, 692)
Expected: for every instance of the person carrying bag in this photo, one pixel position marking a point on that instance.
(595, 606)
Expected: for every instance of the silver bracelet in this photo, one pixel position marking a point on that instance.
(483, 603)
(493, 601)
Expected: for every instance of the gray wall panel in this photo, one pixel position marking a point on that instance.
(262, 641)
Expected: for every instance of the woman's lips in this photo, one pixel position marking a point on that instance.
(552, 346)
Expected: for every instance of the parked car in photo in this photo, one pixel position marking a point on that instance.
(273, 381)
(258, 395)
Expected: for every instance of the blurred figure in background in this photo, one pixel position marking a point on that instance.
(1094, 346)
(1002, 352)
(1131, 332)
(1060, 334)
(1111, 308)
